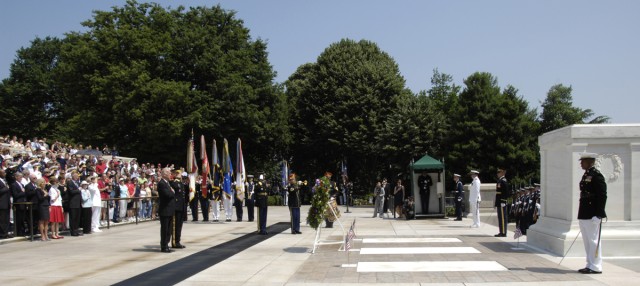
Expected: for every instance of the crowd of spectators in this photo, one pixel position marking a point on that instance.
(47, 172)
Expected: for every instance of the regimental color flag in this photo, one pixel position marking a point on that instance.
(192, 167)
(240, 171)
(216, 164)
(227, 170)
(205, 166)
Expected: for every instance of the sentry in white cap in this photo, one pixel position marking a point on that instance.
(474, 172)
(456, 175)
(588, 156)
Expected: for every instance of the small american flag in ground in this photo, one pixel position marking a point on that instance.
(350, 235)
(517, 233)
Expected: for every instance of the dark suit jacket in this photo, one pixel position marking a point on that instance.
(75, 196)
(30, 191)
(502, 192)
(166, 201)
(18, 195)
(4, 196)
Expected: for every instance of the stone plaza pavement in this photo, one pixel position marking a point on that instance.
(386, 250)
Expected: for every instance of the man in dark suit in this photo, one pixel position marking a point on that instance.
(166, 209)
(294, 204)
(30, 190)
(75, 203)
(5, 206)
(19, 196)
(502, 195)
(179, 196)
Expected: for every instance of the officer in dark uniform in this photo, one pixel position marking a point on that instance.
(458, 194)
(424, 185)
(250, 197)
(237, 202)
(166, 209)
(593, 199)
(294, 204)
(185, 199)
(502, 194)
(262, 202)
(176, 229)
(204, 200)
(193, 204)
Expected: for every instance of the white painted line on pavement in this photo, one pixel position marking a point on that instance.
(410, 240)
(430, 266)
(417, 250)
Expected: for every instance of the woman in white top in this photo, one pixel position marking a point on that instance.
(124, 193)
(55, 211)
(96, 207)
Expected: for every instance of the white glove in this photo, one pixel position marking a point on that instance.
(459, 199)
(479, 200)
(503, 205)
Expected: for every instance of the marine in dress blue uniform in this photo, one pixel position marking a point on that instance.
(179, 197)
(591, 211)
(458, 194)
(250, 200)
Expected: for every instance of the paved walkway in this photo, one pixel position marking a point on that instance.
(385, 251)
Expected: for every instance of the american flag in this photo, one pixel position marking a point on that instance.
(517, 233)
(350, 235)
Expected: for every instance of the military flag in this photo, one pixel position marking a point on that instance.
(227, 170)
(205, 166)
(240, 171)
(216, 164)
(192, 167)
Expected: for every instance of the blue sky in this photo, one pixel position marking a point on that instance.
(594, 46)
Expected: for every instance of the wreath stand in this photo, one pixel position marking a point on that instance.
(319, 242)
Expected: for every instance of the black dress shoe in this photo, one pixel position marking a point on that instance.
(501, 235)
(458, 219)
(589, 271)
(179, 246)
(264, 233)
(297, 232)
(166, 250)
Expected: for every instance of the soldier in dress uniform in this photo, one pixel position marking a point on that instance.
(178, 187)
(591, 211)
(293, 192)
(237, 203)
(475, 198)
(502, 195)
(424, 184)
(262, 202)
(185, 200)
(193, 204)
(204, 201)
(458, 194)
(216, 197)
(250, 198)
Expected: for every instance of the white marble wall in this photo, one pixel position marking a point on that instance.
(618, 146)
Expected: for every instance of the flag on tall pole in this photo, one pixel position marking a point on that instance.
(205, 166)
(240, 171)
(216, 165)
(227, 170)
(284, 174)
(192, 167)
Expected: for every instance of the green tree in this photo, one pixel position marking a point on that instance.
(142, 77)
(30, 97)
(558, 110)
(343, 101)
(492, 129)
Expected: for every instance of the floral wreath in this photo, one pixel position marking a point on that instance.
(618, 167)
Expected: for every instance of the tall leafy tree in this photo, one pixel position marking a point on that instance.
(343, 101)
(558, 110)
(492, 129)
(30, 98)
(142, 77)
